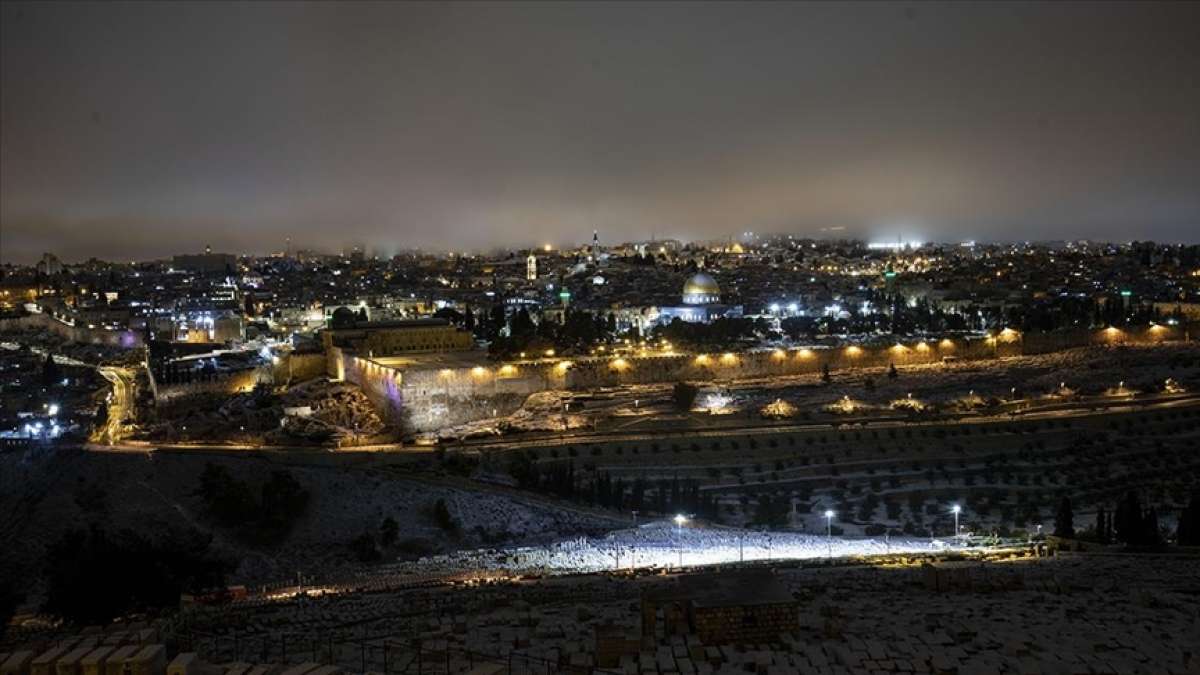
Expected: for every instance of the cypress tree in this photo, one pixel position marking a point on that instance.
(1064, 520)
(1188, 533)
(1150, 531)
(1129, 520)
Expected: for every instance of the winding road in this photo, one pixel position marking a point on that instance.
(120, 404)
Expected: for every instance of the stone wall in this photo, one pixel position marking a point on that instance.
(226, 383)
(380, 384)
(80, 334)
(429, 399)
(295, 368)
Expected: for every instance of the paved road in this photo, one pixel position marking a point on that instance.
(120, 404)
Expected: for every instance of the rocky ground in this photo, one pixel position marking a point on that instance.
(317, 412)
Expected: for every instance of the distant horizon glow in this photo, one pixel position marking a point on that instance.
(267, 127)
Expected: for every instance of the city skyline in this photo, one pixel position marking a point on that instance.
(464, 127)
(361, 338)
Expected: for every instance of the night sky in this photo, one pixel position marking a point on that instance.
(133, 131)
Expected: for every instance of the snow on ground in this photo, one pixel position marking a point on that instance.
(662, 544)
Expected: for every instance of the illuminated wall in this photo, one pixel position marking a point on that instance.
(429, 399)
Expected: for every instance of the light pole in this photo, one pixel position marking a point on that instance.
(829, 530)
(680, 519)
(563, 433)
(956, 509)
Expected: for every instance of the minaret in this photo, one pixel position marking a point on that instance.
(595, 245)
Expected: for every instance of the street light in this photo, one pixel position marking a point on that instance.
(680, 519)
(829, 530)
(956, 509)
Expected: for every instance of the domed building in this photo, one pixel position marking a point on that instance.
(701, 289)
(701, 302)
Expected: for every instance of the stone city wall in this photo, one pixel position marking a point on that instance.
(223, 383)
(429, 399)
(380, 384)
(295, 368)
(80, 334)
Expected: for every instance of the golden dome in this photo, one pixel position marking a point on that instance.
(701, 289)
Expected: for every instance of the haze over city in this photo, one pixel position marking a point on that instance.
(133, 131)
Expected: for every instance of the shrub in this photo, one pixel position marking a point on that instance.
(363, 547)
(442, 517)
(683, 395)
(389, 530)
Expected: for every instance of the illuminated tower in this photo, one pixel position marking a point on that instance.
(531, 267)
(595, 254)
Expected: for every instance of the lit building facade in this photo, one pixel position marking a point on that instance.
(701, 303)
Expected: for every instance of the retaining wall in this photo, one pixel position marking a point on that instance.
(429, 399)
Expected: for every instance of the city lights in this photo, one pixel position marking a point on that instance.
(285, 385)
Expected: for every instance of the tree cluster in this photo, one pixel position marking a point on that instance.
(662, 497)
(579, 331)
(720, 333)
(94, 576)
(772, 510)
(263, 515)
(1134, 525)
(365, 547)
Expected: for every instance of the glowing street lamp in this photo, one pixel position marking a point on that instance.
(956, 509)
(680, 519)
(829, 530)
